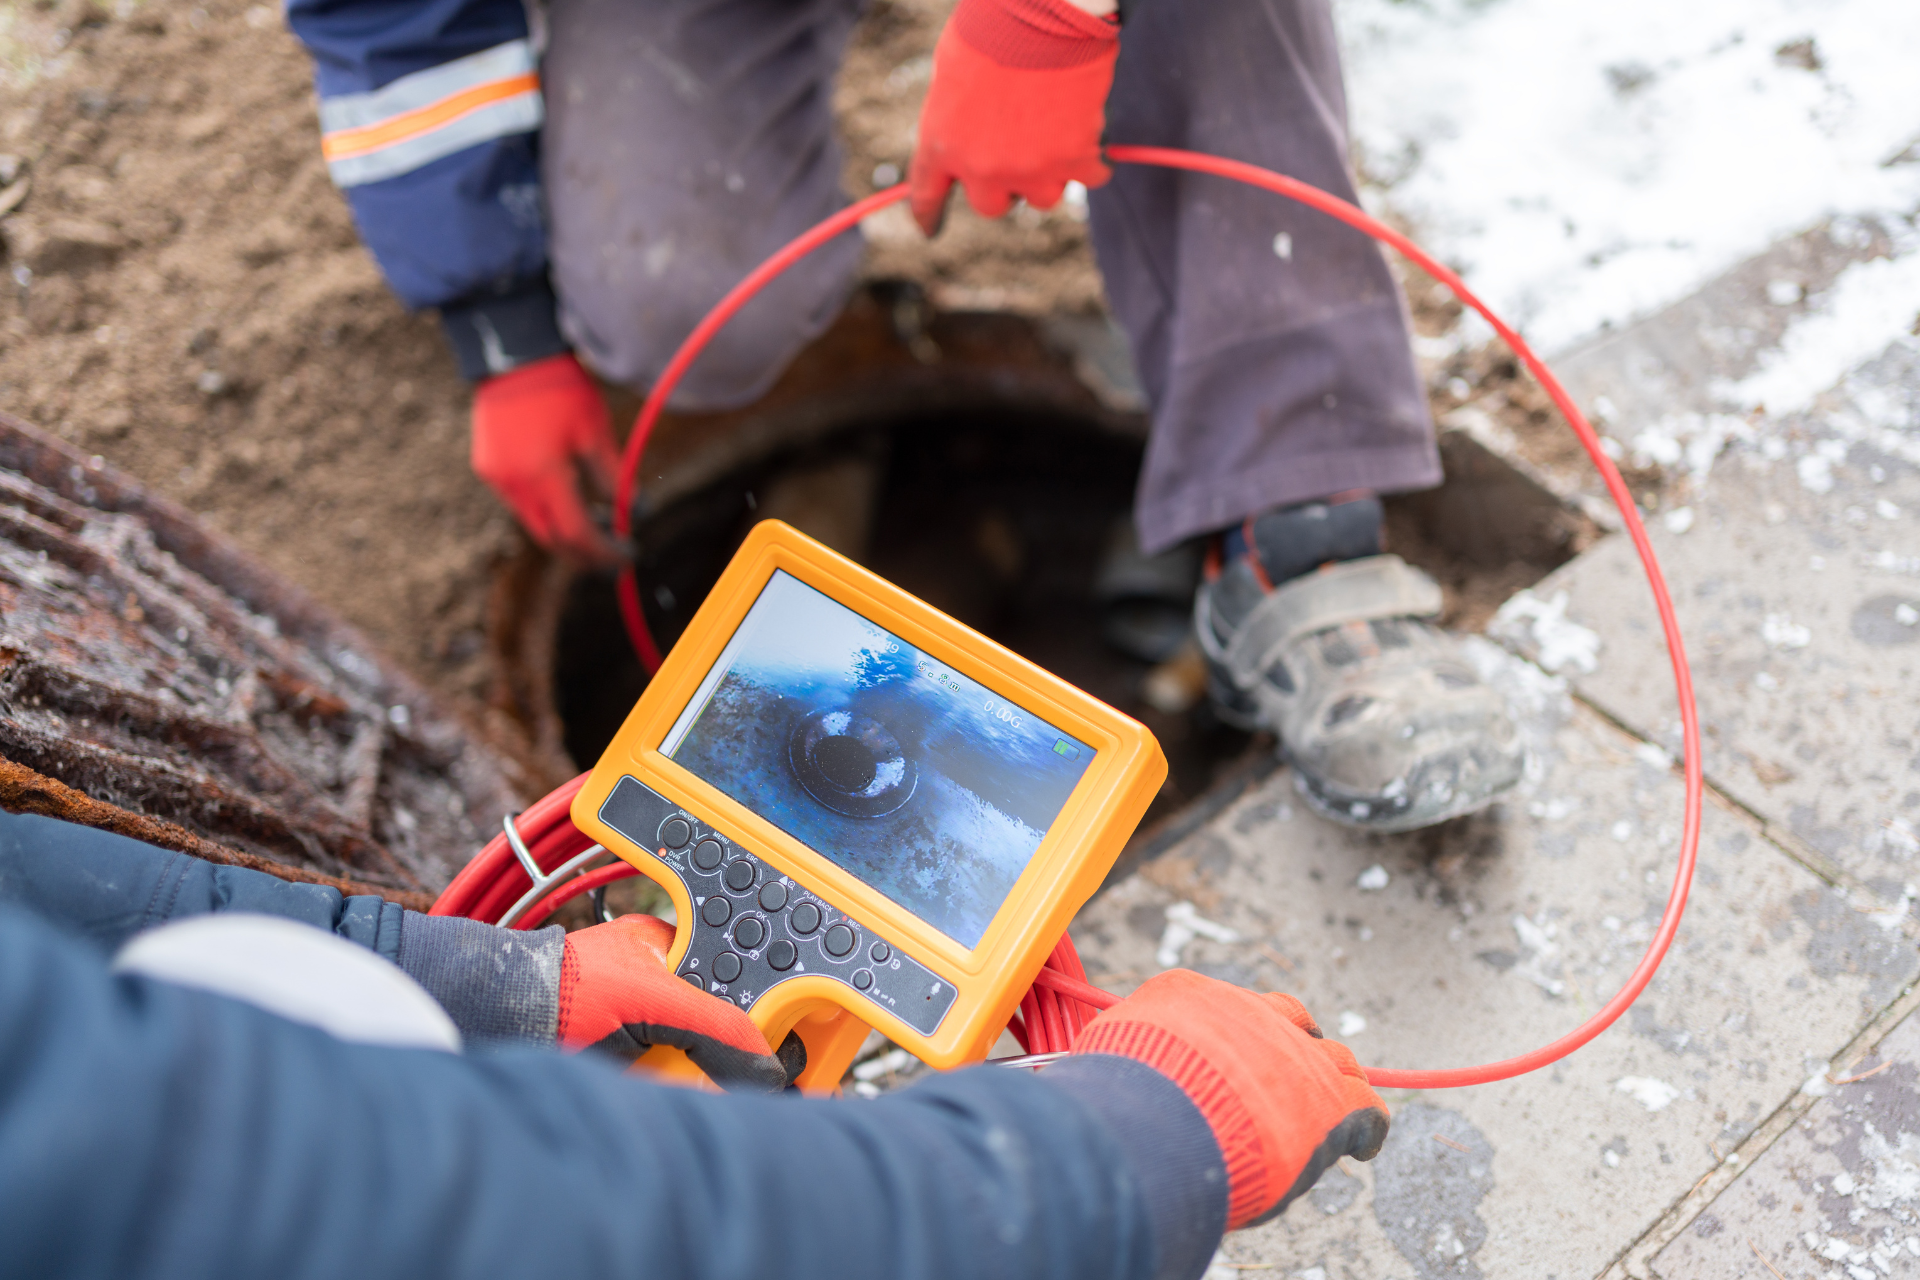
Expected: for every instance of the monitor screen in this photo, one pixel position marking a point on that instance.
(918, 780)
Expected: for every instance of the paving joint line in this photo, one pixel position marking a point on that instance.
(1634, 1262)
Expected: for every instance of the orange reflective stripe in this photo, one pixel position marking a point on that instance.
(411, 124)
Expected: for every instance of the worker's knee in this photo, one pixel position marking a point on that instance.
(628, 328)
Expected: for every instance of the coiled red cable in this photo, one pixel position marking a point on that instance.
(1059, 1002)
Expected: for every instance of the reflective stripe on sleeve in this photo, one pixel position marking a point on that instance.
(368, 137)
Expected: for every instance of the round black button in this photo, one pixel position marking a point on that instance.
(750, 933)
(880, 953)
(716, 911)
(863, 979)
(726, 967)
(805, 919)
(841, 941)
(707, 855)
(782, 954)
(695, 979)
(675, 832)
(740, 875)
(773, 895)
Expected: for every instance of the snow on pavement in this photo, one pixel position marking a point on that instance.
(1587, 164)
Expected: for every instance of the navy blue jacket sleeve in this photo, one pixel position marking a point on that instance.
(497, 984)
(430, 112)
(151, 1131)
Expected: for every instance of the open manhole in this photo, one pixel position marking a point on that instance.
(989, 479)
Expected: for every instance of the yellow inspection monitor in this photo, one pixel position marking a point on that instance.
(867, 814)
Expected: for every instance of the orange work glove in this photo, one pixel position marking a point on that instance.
(617, 996)
(1017, 103)
(1283, 1102)
(533, 429)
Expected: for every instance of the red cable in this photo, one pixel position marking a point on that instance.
(598, 878)
(629, 588)
(1043, 1013)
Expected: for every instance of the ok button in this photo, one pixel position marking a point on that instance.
(716, 910)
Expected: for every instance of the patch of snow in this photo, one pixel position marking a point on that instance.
(1558, 641)
(1577, 163)
(1654, 1095)
(1679, 520)
(1896, 915)
(1351, 1023)
(1782, 632)
(1541, 965)
(1784, 293)
(1868, 304)
(1184, 924)
(1817, 1085)
(1373, 878)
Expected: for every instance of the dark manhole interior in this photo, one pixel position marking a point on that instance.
(1002, 519)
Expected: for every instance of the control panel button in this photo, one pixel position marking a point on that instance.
(740, 876)
(750, 933)
(791, 921)
(675, 832)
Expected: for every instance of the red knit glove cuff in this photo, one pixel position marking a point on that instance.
(1034, 35)
(1232, 1123)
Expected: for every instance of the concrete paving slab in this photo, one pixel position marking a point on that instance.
(1797, 582)
(1837, 1196)
(1488, 937)
(1681, 356)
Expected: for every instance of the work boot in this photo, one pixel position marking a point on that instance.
(1314, 635)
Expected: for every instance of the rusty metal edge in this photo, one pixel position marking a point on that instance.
(24, 791)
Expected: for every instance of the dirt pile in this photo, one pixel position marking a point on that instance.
(188, 298)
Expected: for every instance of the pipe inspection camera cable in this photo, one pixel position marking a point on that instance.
(522, 874)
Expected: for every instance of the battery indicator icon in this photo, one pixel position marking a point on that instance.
(1064, 748)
